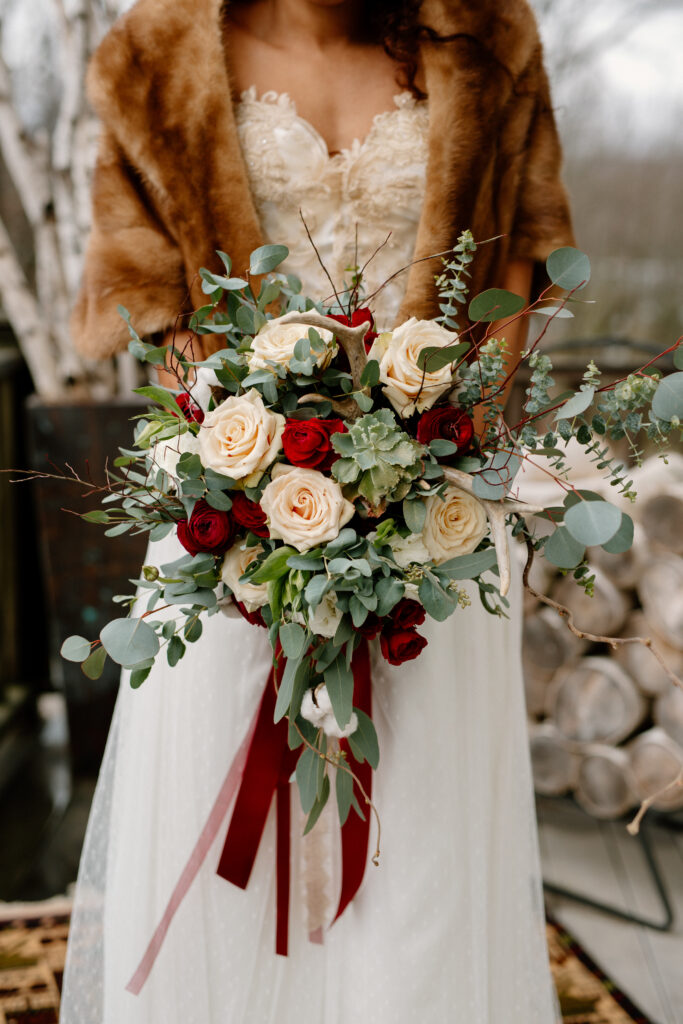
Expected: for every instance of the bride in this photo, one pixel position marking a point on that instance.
(220, 123)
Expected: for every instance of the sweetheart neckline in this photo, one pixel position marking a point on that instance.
(273, 98)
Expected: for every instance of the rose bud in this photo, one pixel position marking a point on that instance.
(407, 614)
(359, 316)
(448, 423)
(401, 645)
(249, 514)
(371, 627)
(208, 530)
(189, 409)
(307, 443)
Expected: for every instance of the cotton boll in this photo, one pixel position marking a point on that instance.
(318, 711)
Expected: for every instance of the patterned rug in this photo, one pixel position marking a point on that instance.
(33, 948)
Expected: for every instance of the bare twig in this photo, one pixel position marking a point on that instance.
(565, 613)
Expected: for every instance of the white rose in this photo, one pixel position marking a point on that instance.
(240, 438)
(455, 525)
(397, 354)
(275, 343)
(205, 379)
(326, 617)
(318, 711)
(410, 549)
(165, 454)
(235, 563)
(304, 507)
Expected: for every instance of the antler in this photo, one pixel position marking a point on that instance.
(350, 338)
(496, 511)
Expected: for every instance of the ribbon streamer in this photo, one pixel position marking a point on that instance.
(261, 770)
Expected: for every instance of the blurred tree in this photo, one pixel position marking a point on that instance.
(47, 137)
(577, 32)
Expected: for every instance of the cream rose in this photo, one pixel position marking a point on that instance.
(165, 454)
(235, 563)
(240, 438)
(397, 354)
(304, 507)
(275, 343)
(455, 525)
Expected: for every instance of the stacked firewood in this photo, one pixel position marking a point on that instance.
(606, 724)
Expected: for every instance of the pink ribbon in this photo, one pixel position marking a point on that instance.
(195, 861)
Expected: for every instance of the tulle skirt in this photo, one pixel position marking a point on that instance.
(448, 929)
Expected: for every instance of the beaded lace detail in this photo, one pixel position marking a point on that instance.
(372, 188)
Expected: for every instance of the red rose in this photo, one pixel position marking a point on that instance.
(359, 316)
(371, 627)
(307, 442)
(208, 530)
(401, 645)
(254, 618)
(249, 514)
(407, 614)
(447, 423)
(189, 409)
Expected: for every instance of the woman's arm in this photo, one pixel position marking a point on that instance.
(518, 278)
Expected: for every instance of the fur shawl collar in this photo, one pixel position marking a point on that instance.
(171, 186)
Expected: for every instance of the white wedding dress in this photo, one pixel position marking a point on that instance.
(449, 929)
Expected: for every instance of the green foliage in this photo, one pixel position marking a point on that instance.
(129, 642)
(495, 304)
(452, 283)
(569, 269)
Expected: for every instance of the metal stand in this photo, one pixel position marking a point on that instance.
(625, 915)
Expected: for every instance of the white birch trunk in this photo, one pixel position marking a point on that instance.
(51, 172)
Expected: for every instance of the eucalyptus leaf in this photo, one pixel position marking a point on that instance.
(495, 304)
(318, 806)
(339, 683)
(668, 401)
(623, 539)
(307, 779)
(563, 550)
(414, 513)
(569, 268)
(267, 258)
(370, 375)
(273, 567)
(286, 689)
(466, 567)
(437, 602)
(434, 357)
(678, 357)
(129, 641)
(592, 522)
(75, 648)
(93, 667)
(344, 792)
(442, 448)
(293, 639)
(365, 738)
(576, 405)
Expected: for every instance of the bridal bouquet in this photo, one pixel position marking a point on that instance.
(329, 484)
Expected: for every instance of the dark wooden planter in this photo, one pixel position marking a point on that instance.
(82, 568)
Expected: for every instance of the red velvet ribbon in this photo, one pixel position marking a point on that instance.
(355, 834)
(267, 771)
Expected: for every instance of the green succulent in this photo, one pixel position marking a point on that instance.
(379, 461)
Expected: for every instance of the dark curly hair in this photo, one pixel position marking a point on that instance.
(396, 25)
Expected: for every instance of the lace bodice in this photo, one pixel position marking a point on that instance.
(368, 190)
